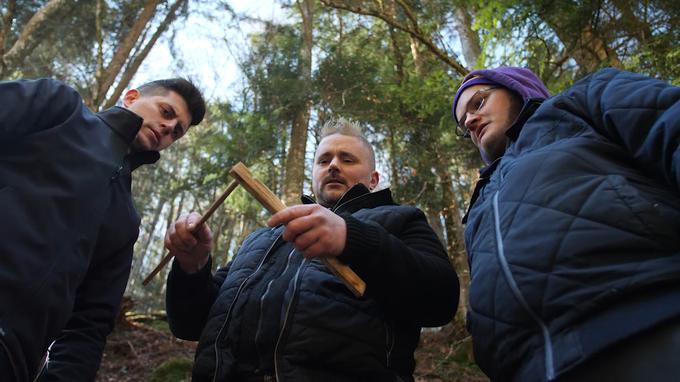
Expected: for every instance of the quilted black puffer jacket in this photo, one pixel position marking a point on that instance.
(273, 312)
(573, 235)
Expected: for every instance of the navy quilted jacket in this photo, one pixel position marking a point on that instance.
(573, 235)
(274, 312)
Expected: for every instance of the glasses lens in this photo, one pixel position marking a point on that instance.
(461, 130)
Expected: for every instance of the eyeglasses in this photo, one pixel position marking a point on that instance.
(474, 105)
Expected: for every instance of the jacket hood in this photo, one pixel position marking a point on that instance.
(520, 80)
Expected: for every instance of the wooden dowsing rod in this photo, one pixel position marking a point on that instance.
(213, 207)
(273, 204)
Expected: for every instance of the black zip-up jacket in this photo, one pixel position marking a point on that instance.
(67, 227)
(274, 313)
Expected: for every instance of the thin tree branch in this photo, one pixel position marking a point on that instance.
(416, 33)
(133, 66)
(28, 38)
(124, 48)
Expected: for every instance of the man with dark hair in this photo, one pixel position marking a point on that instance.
(572, 231)
(185, 89)
(69, 225)
(276, 313)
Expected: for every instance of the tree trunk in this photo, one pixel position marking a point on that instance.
(122, 54)
(469, 39)
(434, 220)
(394, 164)
(417, 58)
(295, 160)
(454, 237)
(28, 39)
(143, 249)
(6, 26)
(136, 61)
(152, 225)
(412, 29)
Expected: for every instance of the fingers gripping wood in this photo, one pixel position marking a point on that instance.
(213, 207)
(273, 204)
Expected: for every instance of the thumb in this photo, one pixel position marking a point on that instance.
(203, 233)
(192, 221)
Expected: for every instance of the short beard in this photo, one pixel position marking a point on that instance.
(325, 202)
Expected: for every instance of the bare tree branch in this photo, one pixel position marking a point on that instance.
(136, 62)
(414, 31)
(7, 20)
(27, 40)
(122, 53)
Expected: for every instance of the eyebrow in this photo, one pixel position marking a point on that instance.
(339, 153)
(477, 93)
(179, 123)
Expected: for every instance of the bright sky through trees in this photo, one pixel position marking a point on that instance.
(207, 48)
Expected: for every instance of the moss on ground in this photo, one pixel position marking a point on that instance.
(173, 370)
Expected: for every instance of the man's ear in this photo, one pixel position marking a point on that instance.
(375, 179)
(130, 97)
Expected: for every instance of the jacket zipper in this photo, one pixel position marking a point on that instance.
(231, 306)
(259, 321)
(335, 208)
(285, 320)
(514, 288)
(12, 364)
(293, 298)
(390, 342)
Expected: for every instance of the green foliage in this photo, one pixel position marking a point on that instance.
(173, 370)
(558, 39)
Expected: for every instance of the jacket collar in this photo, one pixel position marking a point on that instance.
(356, 198)
(138, 158)
(126, 125)
(527, 111)
(121, 120)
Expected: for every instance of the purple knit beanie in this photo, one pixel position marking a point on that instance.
(520, 80)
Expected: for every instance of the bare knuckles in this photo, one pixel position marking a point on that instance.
(189, 244)
(313, 229)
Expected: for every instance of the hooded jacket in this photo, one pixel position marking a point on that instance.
(572, 235)
(273, 312)
(67, 229)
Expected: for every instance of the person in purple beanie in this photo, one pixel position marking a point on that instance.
(572, 230)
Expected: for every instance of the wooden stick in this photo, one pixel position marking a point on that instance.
(213, 207)
(273, 204)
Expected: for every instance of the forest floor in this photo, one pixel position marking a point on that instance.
(145, 351)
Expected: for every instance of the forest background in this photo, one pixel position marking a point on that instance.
(275, 71)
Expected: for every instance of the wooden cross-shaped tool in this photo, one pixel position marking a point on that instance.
(273, 204)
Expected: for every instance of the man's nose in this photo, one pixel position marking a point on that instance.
(333, 166)
(168, 126)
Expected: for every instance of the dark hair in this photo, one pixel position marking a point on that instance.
(185, 88)
(516, 104)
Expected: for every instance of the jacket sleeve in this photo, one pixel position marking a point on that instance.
(640, 113)
(76, 353)
(409, 271)
(29, 106)
(189, 298)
